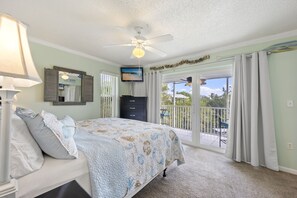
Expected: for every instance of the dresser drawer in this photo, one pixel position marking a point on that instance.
(133, 108)
(133, 100)
(134, 115)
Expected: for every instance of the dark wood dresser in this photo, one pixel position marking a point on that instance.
(133, 108)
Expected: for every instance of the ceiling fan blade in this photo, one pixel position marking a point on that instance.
(159, 39)
(155, 51)
(120, 45)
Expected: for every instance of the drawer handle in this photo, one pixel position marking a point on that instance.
(132, 115)
(131, 100)
(132, 108)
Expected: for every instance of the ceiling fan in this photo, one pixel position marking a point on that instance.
(142, 44)
(188, 81)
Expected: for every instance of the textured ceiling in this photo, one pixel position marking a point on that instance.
(196, 25)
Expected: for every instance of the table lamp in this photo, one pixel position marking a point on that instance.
(16, 70)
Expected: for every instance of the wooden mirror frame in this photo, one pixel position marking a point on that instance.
(51, 86)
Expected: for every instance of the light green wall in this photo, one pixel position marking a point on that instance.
(47, 57)
(283, 78)
(126, 88)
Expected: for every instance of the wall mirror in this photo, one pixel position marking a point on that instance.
(65, 86)
(69, 86)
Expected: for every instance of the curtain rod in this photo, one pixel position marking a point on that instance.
(233, 56)
(184, 69)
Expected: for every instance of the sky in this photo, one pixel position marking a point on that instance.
(212, 86)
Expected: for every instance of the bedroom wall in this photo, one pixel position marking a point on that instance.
(283, 70)
(47, 57)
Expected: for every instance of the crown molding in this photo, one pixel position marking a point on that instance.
(192, 55)
(256, 41)
(75, 52)
(230, 47)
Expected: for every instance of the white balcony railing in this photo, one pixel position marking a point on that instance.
(181, 117)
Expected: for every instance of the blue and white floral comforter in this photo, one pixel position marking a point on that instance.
(149, 148)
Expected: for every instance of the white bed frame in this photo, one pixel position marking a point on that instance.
(50, 178)
(54, 173)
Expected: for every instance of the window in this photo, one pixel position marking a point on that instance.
(109, 95)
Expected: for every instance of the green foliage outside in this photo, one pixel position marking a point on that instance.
(213, 100)
(206, 118)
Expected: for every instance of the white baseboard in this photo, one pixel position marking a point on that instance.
(288, 170)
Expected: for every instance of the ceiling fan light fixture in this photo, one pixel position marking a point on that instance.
(138, 52)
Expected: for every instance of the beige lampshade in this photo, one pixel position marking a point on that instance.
(15, 56)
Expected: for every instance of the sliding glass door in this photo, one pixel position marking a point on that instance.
(196, 104)
(177, 108)
(215, 94)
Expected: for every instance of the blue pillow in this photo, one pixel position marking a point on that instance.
(49, 141)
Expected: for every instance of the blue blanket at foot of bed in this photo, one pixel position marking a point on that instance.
(106, 159)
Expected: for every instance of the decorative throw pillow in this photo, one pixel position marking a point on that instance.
(25, 154)
(69, 127)
(47, 131)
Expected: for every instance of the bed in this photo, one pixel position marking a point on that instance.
(117, 158)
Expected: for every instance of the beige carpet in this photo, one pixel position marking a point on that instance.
(208, 174)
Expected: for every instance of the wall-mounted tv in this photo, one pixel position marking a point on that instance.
(132, 74)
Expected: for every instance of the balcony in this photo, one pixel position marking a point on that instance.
(179, 117)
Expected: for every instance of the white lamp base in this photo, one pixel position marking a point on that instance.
(8, 190)
(6, 100)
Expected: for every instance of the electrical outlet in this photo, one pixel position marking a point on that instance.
(290, 146)
(290, 103)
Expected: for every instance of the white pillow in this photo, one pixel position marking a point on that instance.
(51, 121)
(69, 127)
(25, 154)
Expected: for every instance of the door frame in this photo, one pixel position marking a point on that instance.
(196, 72)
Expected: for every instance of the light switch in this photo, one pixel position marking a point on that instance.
(290, 103)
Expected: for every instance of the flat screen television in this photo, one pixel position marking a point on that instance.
(132, 74)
